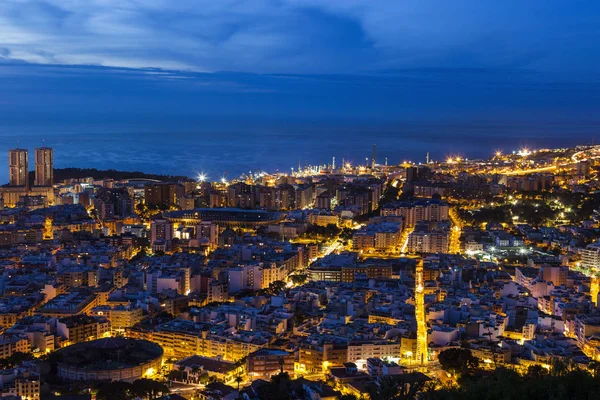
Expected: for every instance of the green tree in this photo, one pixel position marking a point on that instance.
(149, 388)
(299, 279)
(279, 388)
(458, 361)
(276, 287)
(392, 387)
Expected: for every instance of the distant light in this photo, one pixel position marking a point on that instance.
(202, 178)
(524, 152)
(223, 180)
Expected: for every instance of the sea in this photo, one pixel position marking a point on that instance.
(230, 147)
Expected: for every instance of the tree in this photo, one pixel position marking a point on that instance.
(115, 390)
(391, 387)
(278, 389)
(149, 388)
(507, 384)
(15, 359)
(276, 287)
(299, 279)
(458, 361)
(238, 379)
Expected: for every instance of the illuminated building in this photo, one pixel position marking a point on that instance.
(44, 167)
(285, 197)
(120, 316)
(264, 363)
(359, 351)
(594, 289)
(424, 240)
(18, 164)
(319, 354)
(71, 303)
(161, 234)
(163, 194)
(81, 328)
(381, 236)
(415, 212)
(590, 257)
(305, 196)
(420, 315)
(28, 386)
(113, 203)
(240, 195)
(19, 192)
(323, 218)
(207, 233)
(180, 339)
(10, 345)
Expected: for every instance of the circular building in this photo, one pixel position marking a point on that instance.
(230, 217)
(110, 359)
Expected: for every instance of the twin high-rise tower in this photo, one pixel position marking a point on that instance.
(44, 167)
(18, 167)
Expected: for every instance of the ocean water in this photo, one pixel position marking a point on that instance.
(217, 147)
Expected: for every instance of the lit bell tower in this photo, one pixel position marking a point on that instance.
(48, 229)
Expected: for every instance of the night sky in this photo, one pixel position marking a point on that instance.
(532, 64)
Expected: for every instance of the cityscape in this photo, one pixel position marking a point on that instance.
(299, 200)
(336, 281)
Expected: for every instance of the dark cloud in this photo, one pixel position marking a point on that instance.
(304, 36)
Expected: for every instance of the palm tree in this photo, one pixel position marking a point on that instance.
(238, 379)
(281, 362)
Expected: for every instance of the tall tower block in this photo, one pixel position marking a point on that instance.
(18, 167)
(44, 167)
(420, 315)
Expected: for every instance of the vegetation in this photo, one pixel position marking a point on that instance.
(537, 383)
(328, 232)
(279, 388)
(390, 387)
(14, 360)
(299, 279)
(458, 361)
(141, 388)
(275, 288)
(80, 173)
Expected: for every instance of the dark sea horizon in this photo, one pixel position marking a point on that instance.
(215, 146)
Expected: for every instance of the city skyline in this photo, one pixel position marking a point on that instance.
(299, 199)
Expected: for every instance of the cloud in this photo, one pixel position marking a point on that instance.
(300, 36)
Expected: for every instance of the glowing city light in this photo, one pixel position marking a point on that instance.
(524, 152)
